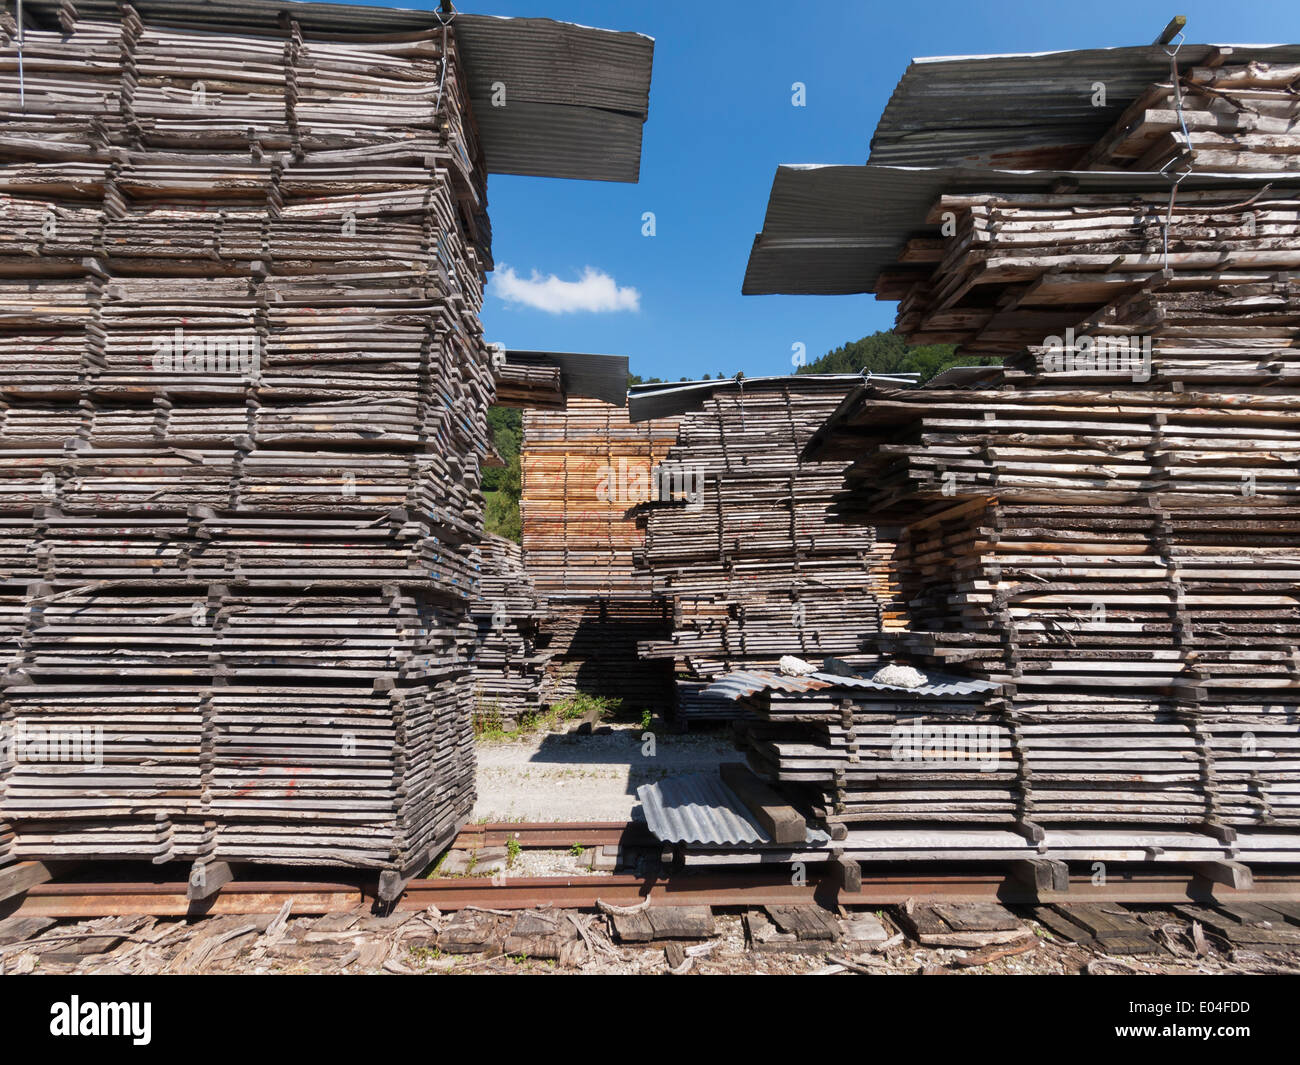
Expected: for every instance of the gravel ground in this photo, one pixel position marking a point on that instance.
(552, 863)
(569, 777)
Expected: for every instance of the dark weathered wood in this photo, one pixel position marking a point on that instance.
(17, 878)
(1109, 538)
(1171, 30)
(1042, 874)
(960, 924)
(848, 875)
(1232, 874)
(750, 546)
(805, 922)
(1242, 926)
(206, 879)
(1060, 925)
(781, 821)
(510, 677)
(1114, 930)
(243, 404)
(632, 927)
(680, 922)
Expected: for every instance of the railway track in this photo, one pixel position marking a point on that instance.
(78, 895)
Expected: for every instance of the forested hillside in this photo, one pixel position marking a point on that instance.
(887, 352)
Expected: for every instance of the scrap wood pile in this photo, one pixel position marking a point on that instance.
(1108, 529)
(585, 470)
(509, 665)
(243, 400)
(752, 550)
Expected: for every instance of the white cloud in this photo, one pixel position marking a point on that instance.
(595, 291)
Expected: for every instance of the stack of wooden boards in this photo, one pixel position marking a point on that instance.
(510, 679)
(1125, 562)
(1023, 266)
(858, 751)
(243, 399)
(524, 384)
(751, 547)
(1222, 118)
(586, 470)
(1110, 530)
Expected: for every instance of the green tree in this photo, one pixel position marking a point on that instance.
(887, 352)
(503, 484)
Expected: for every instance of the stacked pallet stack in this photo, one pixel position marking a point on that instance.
(509, 665)
(1107, 529)
(753, 551)
(586, 470)
(244, 400)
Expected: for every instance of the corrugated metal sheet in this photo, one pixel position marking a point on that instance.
(1031, 111)
(701, 809)
(743, 683)
(576, 97)
(663, 399)
(602, 377)
(941, 684)
(830, 230)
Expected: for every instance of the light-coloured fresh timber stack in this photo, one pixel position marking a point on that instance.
(510, 679)
(753, 551)
(243, 399)
(586, 471)
(1106, 529)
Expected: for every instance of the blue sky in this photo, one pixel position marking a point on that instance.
(721, 121)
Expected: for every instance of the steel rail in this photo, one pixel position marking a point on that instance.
(168, 899)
